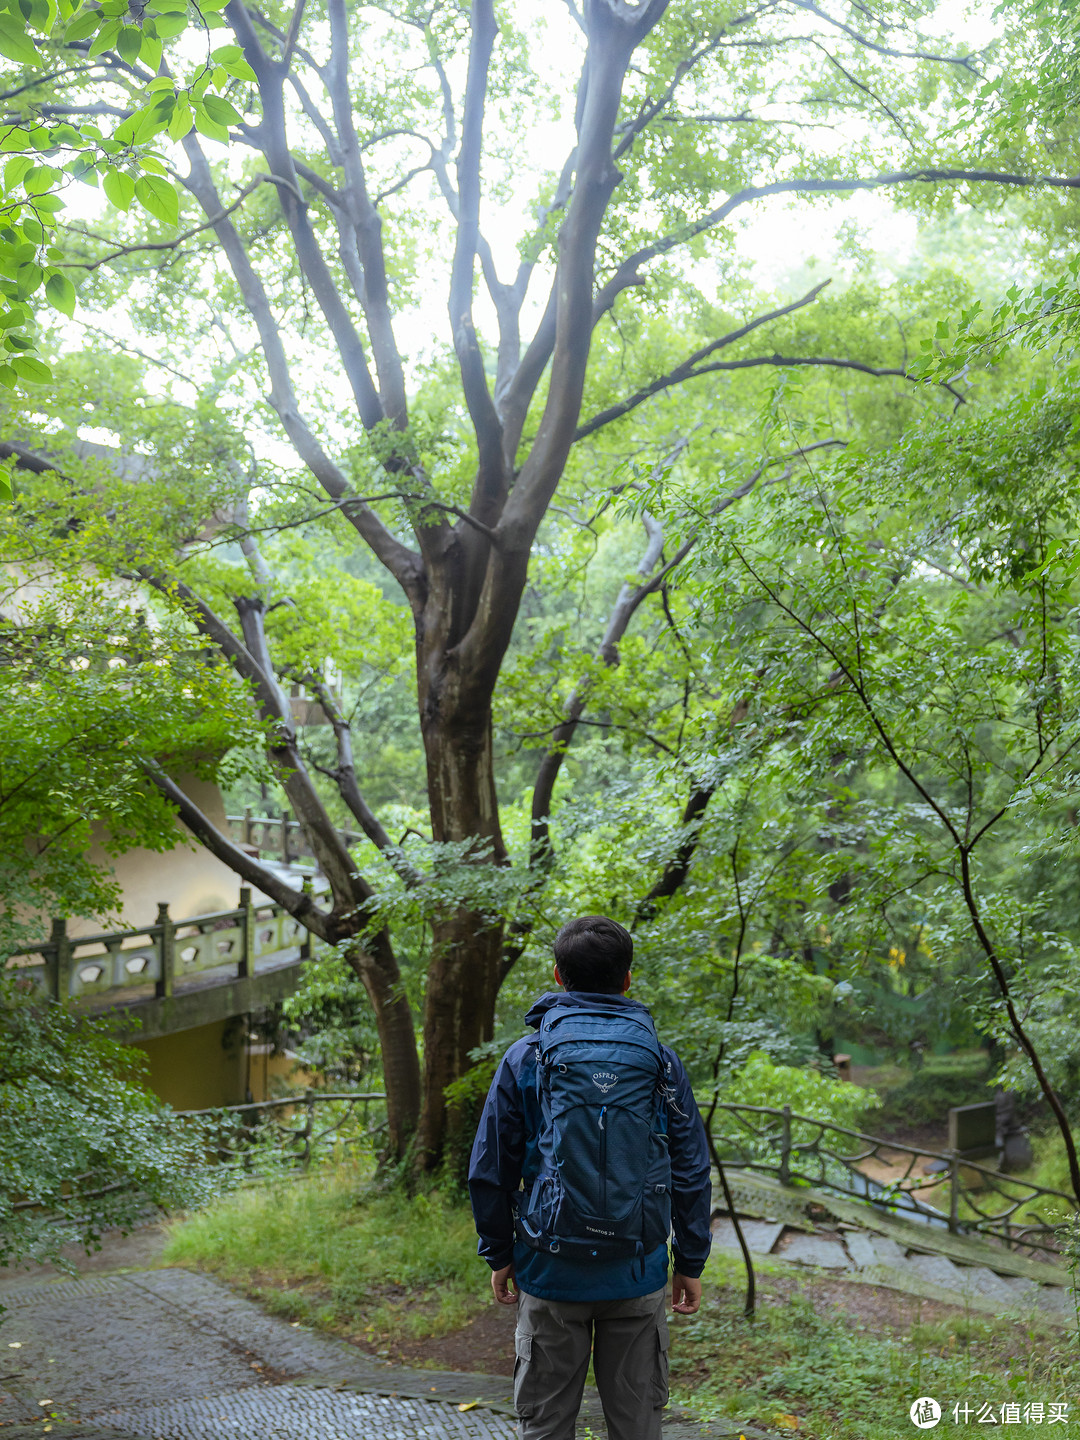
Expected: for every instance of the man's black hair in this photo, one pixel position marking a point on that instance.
(594, 953)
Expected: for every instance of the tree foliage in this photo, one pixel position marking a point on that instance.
(84, 1146)
(602, 366)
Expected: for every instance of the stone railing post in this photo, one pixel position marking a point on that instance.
(61, 959)
(163, 988)
(246, 966)
(305, 943)
(285, 837)
(247, 825)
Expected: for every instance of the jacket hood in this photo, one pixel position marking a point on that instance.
(582, 999)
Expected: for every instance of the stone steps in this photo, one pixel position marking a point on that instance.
(868, 1257)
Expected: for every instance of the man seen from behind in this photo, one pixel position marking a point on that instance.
(589, 1151)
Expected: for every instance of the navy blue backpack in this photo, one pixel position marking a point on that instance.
(604, 1185)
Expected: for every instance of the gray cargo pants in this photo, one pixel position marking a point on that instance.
(629, 1344)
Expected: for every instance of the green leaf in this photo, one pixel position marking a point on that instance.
(119, 188)
(225, 53)
(152, 165)
(222, 111)
(29, 368)
(16, 44)
(157, 195)
(5, 483)
(150, 53)
(162, 108)
(105, 38)
(12, 138)
(210, 128)
(28, 279)
(60, 293)
(8, 377)
(181, 120)
(66, 135)
(15, 169)
(167, 27)
(239, 69)
(40, 179)
(83, 26)
(129, 43)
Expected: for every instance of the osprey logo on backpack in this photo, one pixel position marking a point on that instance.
(602, 1186)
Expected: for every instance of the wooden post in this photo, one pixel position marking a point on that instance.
(164, 985)
(246, 966)
(309, 1126)
(785, 1148)
(285, 837)
(954, 1192)
(61, 959)
(247, 825)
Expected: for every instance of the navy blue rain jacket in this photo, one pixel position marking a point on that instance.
(504, 1155)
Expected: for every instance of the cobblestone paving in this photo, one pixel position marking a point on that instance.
(288, 1412)
(162, 1346)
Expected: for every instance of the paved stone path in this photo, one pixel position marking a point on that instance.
(170, 1355)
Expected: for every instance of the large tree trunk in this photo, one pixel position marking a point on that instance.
(459, 1014)
(466, 963)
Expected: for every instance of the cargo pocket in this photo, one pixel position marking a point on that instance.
(522, 1361)
(660, 1374)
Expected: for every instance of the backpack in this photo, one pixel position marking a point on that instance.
(604, 1185)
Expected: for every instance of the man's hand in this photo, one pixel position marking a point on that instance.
(502, 1280)
(685, 1294)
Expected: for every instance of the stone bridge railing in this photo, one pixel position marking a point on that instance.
(277, 837)
(225, 944)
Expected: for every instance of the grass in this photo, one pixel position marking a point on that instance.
(828, 1377)
(333, 1251)
(924, 1096)
(825, 1360)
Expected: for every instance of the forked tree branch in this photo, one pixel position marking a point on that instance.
(402, 563)
(489, 489)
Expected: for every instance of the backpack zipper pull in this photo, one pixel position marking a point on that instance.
(603, 1112)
